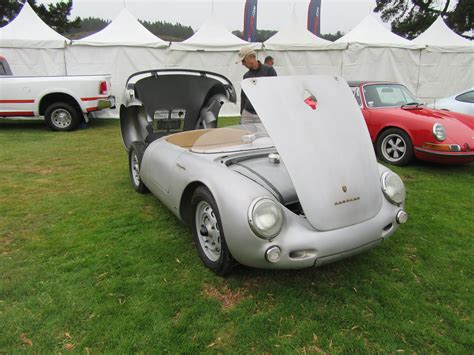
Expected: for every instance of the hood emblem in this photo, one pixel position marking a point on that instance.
(344, 188)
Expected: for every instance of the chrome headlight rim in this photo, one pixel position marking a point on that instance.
(385, 189)
(258, 202)
(439, 132)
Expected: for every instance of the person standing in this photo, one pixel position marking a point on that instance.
(268, 60)
(248, 58)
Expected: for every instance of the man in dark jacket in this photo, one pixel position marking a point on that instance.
(248, 57)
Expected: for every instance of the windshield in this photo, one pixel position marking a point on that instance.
(231, 139)
(387, 95)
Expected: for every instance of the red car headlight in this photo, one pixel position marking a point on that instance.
(439, 132)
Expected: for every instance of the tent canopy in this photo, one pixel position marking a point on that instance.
(212, 36)
(295, 36)
(371, 32)
(124, 30)
(27, 30)
(440, 35)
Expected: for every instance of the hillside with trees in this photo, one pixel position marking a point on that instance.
(168, 31)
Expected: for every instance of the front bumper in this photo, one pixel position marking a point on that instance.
(302, 246)
(444, 157)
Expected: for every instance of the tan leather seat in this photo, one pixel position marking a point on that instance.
(219, 137)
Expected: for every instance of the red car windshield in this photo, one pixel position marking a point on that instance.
(387, 95)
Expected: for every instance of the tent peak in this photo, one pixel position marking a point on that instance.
(28, 30)
(439, 34)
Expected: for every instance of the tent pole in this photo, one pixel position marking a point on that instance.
(419, 70)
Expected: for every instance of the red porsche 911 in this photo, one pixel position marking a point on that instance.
(403, 129)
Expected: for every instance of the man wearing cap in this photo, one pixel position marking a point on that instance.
(248, 57)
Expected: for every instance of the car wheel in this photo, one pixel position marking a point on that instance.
(395, 147)
(135, 156)
(208, 233)
(62, 116)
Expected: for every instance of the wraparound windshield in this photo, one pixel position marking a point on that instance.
(387, 95)
(231, 139)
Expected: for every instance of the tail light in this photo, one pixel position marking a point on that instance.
(103, 88)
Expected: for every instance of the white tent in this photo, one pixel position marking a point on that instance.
(124, 30)
(298, 51)
(375, 53)
(123, 47)
(27, 30)
(370, 32)
(446, 64)
(295, 36)
(31, 46)
(439, 35)
(212, 36)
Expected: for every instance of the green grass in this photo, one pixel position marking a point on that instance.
(88, 264)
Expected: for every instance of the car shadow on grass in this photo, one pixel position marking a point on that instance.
(23, 124)
(37, 124)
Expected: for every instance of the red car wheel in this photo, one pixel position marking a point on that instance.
(394, 147)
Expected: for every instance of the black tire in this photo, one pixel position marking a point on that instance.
(135, 156)
(62, 116)
(394, 146)
(206, 224)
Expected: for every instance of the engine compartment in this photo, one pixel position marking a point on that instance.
(268, 170)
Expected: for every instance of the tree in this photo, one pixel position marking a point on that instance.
(412, 17)
(8, 11)
(261, 36)
(332, 36)
(462, 18)
(55, 16)
(168, 31)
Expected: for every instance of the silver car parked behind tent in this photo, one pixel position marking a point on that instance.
(303, 189)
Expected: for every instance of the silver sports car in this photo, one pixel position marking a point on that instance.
(301, 189)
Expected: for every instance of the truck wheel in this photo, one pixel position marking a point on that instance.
(62, 116)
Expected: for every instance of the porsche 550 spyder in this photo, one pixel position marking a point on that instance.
(301, 189)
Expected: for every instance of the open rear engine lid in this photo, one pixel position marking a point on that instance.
(171, 99)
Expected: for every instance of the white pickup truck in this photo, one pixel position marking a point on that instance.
(63, 100)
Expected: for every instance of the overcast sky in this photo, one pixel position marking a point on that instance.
(336, 15)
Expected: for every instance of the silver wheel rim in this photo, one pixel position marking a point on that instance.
(61, 118)
(135, 166)
(393, 147)
(208, 231)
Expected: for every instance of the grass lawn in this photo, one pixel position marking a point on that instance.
(87, 264)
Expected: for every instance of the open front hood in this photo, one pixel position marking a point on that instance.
(327, 150)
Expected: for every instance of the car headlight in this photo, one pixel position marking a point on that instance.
(393, 188)
(265, 218)
(439, 132)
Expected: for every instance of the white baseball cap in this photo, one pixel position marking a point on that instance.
(245, 51)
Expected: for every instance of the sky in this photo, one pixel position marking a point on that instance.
(336, 15)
